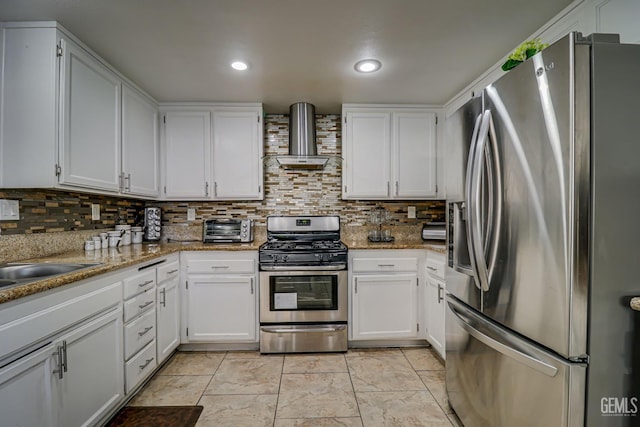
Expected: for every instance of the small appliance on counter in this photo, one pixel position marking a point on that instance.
(227, 231)
(152, 227)
(434, 231)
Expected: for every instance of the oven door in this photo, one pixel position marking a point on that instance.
(303, 296)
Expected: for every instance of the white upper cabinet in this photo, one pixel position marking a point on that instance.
(61, 122)
(620, 17)
(365, 171)
(90, 148)
(414, 154)
(212, 152)
(237, 155)
(389, 153)
(186, 153)
(140, 149)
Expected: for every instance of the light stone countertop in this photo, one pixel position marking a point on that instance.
(112, 259)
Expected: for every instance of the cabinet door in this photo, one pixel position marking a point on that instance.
(25, 390)
(414, 154)
(187, 150)
(619, 17)
(93, 382)
(221, 308)
(435, 314)
(90, 125)
(168, 319)
(385, 306)
(237, 156)
(139, 144)
(365, 169)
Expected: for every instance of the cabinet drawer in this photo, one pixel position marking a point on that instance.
(435, 268)
(139, 304)
(139, 332)
(376, 265)
(221, 266)
(140, 366)
(139, 283)
(168, 271)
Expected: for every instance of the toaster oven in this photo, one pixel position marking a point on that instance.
(227, 231)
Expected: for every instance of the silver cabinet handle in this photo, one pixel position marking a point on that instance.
(388, 188)
(355, 285)
(163, 293)
(386, 265)
(172, 271)
(397, 191)
(215, 189)
(146, 330)
(146, 363)
(252, 286)
(140, 285)
(440, 297)
(146, 304)
(206, 188)
(431, 268)
(219, 266)
(127, 179)
(61, 353)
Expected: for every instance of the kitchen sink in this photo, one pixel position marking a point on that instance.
(21, 273)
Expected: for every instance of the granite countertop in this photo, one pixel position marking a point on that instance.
(635, 303)
(111, 259)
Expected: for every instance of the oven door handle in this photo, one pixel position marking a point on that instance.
(336, 267)
(280, 330)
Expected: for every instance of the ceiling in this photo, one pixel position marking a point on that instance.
(298, 50)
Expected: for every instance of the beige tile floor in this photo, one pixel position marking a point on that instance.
(386, 387)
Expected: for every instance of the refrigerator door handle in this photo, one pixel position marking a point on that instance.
(468, 202)
(495, 201)
(499, 344)
(475, 207)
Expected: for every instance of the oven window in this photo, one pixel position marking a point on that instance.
(312, 292)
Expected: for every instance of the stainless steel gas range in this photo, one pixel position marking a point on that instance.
(303, 286)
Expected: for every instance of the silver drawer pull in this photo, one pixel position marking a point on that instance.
(432, 269)
(146, 304)
(386, 265)
(147, 329)
(145, 283)
(219, 266)
(172, 271)
(146, 363)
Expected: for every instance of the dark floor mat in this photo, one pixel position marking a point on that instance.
(156, 416)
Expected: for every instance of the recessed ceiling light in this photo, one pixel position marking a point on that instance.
(367, 65)
(239, 65)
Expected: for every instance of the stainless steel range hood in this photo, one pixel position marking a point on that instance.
(303, 152)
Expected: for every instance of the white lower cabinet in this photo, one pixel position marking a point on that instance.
(435, 301)
(139, 323)
(91, 381)
(384, 294)
(61, 356)
(168, 308)
(25, 390)
(221, 296)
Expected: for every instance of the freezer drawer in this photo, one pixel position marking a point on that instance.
(497, 379)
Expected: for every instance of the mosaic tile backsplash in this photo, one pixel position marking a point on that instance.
(286, 193)
(50, 211)
(303, 192)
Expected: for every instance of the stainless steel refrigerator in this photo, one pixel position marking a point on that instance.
(543, 189)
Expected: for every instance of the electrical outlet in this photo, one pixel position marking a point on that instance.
(411, 212)
(191, 214)
(9, 210)
(95, 212)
